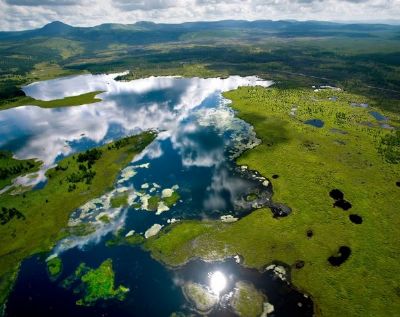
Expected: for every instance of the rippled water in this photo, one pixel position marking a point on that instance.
(193, 153)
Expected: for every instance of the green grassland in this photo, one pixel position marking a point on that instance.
(10, 168)
(310, 163)
(38, 216)
(79, 100)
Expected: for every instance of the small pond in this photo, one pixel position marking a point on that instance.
(378, 116)
(315, 123)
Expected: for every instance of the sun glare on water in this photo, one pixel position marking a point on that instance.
(217, 282)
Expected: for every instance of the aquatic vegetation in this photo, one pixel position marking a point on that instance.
(54, 267)
(247, 301)
(44, 221)
(95, 284)
(356, 168)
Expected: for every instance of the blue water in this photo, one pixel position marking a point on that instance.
(195, 150)
(315, 123)
(378, 116)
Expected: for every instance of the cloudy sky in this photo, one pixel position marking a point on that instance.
(24, 14)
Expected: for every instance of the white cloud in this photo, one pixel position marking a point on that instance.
(22, 14)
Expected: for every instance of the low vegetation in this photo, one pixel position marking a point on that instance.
(95, 284)
(343, 154)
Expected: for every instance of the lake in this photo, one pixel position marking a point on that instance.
(198, 141)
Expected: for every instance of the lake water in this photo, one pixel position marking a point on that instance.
(318, 123)
(193, 153)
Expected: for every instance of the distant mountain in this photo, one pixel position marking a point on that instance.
(149, 32)
(55, 28)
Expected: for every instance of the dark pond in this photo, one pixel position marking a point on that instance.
(315, 123)
(193, 155)
(341, 257)
(356, 219)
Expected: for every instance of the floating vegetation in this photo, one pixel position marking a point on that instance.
(95, 284)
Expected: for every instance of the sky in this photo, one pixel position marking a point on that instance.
(27, 14)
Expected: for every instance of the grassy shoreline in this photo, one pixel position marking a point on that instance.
(45, 212)
(79, 100)
(310, 162)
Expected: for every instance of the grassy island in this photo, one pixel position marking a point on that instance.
(95, 284)
(351, 153)
(42, 214)
(79, 100)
